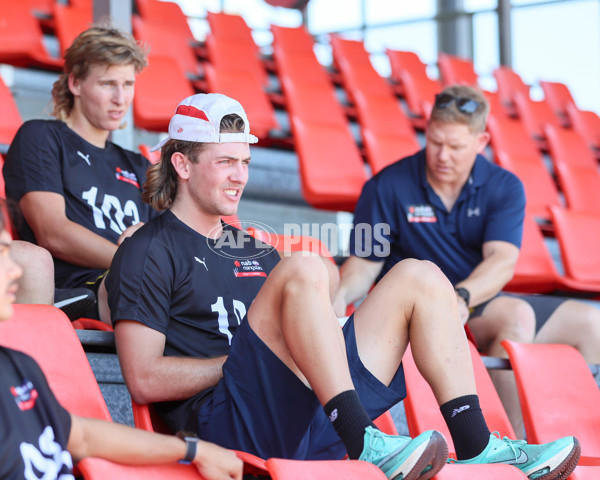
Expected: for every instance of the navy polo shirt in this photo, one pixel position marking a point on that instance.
(399, 216)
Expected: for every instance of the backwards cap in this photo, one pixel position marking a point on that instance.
(198, 119)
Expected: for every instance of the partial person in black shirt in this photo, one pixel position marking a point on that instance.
(41, 439)
(79, 193)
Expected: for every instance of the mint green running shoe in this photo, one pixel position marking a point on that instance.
(404, 458)
(548, 461)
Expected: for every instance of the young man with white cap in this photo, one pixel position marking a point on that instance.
(243, 348)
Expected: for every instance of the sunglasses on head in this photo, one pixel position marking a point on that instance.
(468, 106)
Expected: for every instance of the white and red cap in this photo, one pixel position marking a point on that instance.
(198, 119)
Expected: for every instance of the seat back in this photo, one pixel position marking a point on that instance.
(515, 151)
(558, 394)
(45, 333)
(587, 124)
(509, 82)
(169, 13)
(456, 70)
(558, 97)
(70, 21)
(282, 469)
(11, 119)
(100, 469)
(423, 412)
(535, 271)
(535, 115)
(576, 169)
(577, 234)
(153, 104)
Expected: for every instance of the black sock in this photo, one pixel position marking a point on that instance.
(467, 426)
(349, 418)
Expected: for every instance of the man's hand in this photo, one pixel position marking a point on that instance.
(463, 310)
(217, 463)
(129, 231)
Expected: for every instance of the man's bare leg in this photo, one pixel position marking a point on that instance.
(37, 283)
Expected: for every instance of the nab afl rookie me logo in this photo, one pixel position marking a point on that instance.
(420, 214)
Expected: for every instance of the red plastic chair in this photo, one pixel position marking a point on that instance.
(11, 119)
(153, 157)
(423, 412)
(587, 124)
(509, 83)
(535, 115)
(535, 271)
(167, 42)
(558, 395)
(169, 13)
(576, 169)
(70, 21)
(387, 132)
(558, 96)
(45, 333)
(232, 27)
(100, 469)
(577, 234)
(416, 86)
(456, 70)
(153, 104)
(281, 469)
(514, 150)
(21, 38)
(249, 92)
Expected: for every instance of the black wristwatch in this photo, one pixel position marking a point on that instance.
(191, 442)
(464, 294)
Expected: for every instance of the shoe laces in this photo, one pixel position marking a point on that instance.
(510, 443)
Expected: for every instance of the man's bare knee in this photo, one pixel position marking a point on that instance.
(421, 276)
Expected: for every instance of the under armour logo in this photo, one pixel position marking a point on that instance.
(85, 157)
(456, 411)
(203, 262)
(333, 415)
(473, 212)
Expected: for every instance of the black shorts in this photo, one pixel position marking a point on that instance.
(260, 406)
(543, 306)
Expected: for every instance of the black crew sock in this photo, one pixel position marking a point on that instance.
(349, 418)
(467, 426)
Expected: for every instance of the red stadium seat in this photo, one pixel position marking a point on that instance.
(516, 151)
(577, 234)
(100, 469)
(509, 82)
(535, 115)
(231, 27)
(558, 96)
(45, 333)
(535, 271)
(21, 38)
(558, 395)
(247, 89)
(153, 157)
(169, 13)
(456, 70)
(387, 132)
(153, 104)
(281, 469)
(166, 42)
(332, 172)
(423, 412)
(576, 169)
(11, 119)
(69, 22)
(587, 124)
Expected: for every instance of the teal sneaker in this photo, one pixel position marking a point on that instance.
(404, 458)
(549, 461)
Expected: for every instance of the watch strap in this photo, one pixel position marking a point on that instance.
(464, 294)
(191, 443)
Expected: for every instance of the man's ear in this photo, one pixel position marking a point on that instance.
(181, 164)
(482, 140)
(74, 85)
